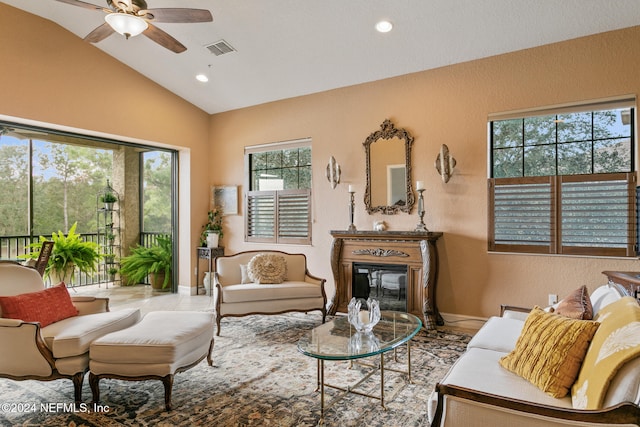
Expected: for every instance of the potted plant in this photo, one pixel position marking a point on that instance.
(213, 226)
(108, 199)
(69, 252)
(112, 271)
(154, 261)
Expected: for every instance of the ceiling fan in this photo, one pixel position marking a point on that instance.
(132, 17)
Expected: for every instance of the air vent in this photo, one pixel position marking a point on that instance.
(220, 48)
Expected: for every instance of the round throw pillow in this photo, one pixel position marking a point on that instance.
(267, 268)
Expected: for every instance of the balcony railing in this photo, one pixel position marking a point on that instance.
(12, 247)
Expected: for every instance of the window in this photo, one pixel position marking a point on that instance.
(279, 197)
(563, 181)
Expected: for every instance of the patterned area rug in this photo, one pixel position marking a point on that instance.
(258, 379)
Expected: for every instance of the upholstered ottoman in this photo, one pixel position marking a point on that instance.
(162, 344)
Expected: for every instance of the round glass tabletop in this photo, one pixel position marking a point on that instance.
(339, 340)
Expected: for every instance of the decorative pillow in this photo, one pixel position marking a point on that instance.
(47, 306)
(245, 274)
(550, 350)
(616, 342)
(267, 268)
(576, 305)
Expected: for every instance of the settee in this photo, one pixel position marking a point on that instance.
(266, 282)
(482, 387)
(45, 334)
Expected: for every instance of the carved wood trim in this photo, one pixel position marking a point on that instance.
(623, 413)
(380, 252)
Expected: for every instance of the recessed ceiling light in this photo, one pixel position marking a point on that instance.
(202, 78)
(384, 26)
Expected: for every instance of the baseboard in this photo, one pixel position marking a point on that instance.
(462, 321)
(186, 290)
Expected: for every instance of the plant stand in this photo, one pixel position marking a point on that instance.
(108, 233)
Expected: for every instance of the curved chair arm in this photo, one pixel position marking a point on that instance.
(23, 352)
(623, 413)
(90, 305)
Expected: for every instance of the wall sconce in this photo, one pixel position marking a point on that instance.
(333, 172)
(445, 163)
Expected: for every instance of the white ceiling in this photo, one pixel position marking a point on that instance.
(287, 48)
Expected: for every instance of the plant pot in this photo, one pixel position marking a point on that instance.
(157, 280)
(65, 275)
(212, 240)
(108, 206)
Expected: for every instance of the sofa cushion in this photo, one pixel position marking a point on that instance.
(267, 268)
(603, 296)
(46, 306)
(160, 337)
(498, 333)
(257, 292)
(616, 342)
(245, 275)
(550, 350)
(72, 336)
(576, 305)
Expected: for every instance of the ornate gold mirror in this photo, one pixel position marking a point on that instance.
(388, 157)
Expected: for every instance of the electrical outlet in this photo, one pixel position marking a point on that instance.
(553, 298)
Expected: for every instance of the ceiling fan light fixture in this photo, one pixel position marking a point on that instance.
(125, 24)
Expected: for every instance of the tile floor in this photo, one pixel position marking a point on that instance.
(144, 298)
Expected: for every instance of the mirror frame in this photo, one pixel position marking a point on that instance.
(388, 131)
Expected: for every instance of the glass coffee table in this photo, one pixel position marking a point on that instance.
(339, 340)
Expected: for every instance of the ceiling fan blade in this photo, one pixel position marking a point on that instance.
(100, 33)
(176, 15)
(81, 4)
(164, 39)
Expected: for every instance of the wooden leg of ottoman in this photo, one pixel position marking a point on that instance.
(168, 387)
(95, 388)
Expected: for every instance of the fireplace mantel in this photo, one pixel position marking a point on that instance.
(416, 249)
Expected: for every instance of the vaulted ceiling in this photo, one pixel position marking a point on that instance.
(288, 48)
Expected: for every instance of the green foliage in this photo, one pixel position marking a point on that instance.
(157, 191)
(69, 250)
(214, 224)
(566, 144)
(108, 198)
(146, 260)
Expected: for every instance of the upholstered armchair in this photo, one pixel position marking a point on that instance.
(53, 339)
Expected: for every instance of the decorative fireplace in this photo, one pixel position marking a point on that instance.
(353, 252)
(386, 283)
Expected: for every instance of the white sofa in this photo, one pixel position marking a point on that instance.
(300, 291)
(478, 391)
(60, 349)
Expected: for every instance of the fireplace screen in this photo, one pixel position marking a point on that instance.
(386, 283)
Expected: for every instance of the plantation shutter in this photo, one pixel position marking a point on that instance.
(522, 214)
(282, 216)
(596, 213)
(294, 213)
(260, 219)
(573, 215)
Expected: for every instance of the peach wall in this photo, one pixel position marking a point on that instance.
(53, 78)
(50, 76)
(447, 105)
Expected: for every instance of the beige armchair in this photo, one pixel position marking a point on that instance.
(60, 349)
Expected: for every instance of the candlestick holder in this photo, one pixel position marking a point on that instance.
(421, 225)
(352, 205)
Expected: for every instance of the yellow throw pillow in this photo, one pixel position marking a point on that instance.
(616, 342)
(550, 350)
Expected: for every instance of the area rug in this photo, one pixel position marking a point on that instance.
(258, 379)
